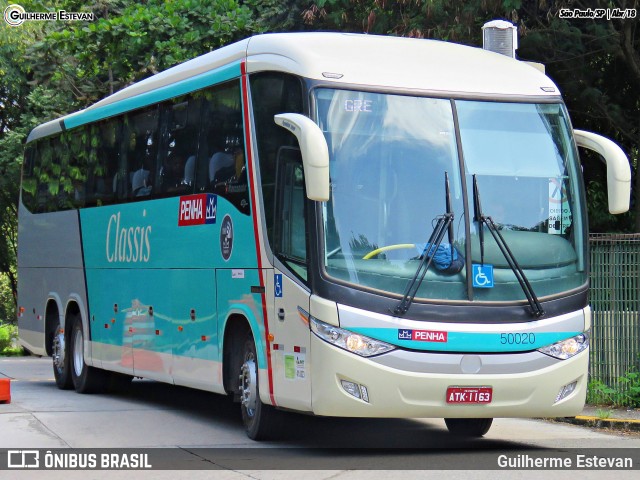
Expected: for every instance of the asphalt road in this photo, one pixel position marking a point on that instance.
(197, 426)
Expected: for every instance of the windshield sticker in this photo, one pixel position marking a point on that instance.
(358, 105)
(482, 275)
(559, 210)
(422, 335)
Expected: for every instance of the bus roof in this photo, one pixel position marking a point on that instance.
(373, 62)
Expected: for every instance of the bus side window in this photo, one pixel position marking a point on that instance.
(272, 93)
(29, 179)
(103, 161)
(222, 163)
(290, 243)
(179, 145)
(73, 168)
(141, 155)
(46, 176)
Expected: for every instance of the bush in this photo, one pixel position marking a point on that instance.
(8, 341)
(7, 302)
(627, 394)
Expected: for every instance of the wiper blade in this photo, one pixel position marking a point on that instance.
(482, 219)
(443, 225)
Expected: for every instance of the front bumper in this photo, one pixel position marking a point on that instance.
(400, 393)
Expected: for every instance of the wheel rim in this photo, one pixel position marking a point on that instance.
(78, 357)
(58, 349)
(249, 386)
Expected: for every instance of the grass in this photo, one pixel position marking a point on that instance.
(603, 413)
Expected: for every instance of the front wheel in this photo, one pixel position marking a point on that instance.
(86, 379)
(468, 427)
(260, 420)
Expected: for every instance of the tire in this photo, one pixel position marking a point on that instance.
(86, 379)
(61, 358)
(260, 421)
(468, 427)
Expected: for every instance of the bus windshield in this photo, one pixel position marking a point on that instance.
(388, 158)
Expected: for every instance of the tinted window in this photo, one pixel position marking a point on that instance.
(272, 93)
(222, 162)
(179, 146)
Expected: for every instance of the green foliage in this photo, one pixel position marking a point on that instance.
(130, 41)
(627, 394)
(7, 301)
(8, 339)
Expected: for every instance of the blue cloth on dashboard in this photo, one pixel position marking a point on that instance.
(446, 258)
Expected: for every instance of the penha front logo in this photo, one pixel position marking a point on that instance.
(422, 335)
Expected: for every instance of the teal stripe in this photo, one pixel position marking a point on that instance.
(468, 341)
(159, 95)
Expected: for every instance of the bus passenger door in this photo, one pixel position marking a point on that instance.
(290, 345)
(291, 334)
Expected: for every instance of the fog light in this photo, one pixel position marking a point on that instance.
(355, 390)
(364, 393)
(566, 391)
(351, 388)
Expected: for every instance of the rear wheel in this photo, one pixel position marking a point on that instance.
(468, 427)
(60, 356)
(86, 379)
(260, 420)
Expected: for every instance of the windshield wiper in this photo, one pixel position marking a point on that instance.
(482, 219)
(443, 225)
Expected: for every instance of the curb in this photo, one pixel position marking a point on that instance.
(595, 422)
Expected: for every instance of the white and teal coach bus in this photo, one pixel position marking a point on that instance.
(342, 225)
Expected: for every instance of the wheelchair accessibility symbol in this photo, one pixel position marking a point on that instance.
(277, 284)
(482, 275)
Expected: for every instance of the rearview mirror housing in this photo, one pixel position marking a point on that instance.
(618, 169)
(314, 150)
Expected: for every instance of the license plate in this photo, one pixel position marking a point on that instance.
(471, 395)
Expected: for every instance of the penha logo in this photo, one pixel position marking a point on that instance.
(422, 335)
(197, 209)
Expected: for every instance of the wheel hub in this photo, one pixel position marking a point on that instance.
(248, 386)
(58, 350)
(78, 352)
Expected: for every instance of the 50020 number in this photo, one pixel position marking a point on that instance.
(517, 338)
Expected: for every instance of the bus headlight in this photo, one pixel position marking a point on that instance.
(350, 341)
(567, 348)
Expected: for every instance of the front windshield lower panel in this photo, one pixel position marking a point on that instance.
(388, 159)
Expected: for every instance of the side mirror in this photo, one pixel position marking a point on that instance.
(315, 153)
(618, 169)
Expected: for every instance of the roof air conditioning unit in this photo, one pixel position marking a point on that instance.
(500, 36)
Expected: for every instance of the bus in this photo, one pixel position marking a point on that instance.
(336, 224)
